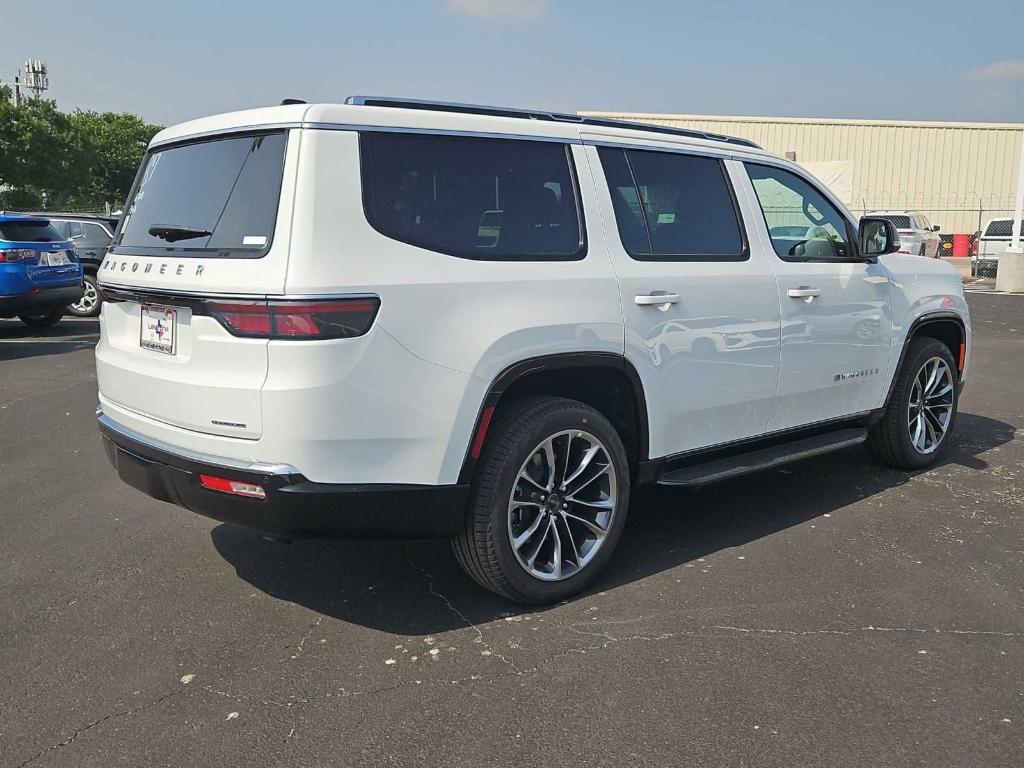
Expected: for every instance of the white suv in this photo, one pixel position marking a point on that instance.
(917, 235)
(402, 319)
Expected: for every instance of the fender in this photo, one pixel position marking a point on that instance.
(927, 318)
(532, 366)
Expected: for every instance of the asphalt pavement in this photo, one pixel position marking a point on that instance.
(829, 613)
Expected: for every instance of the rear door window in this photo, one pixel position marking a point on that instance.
(211, 198)
(673, 207)
(94, 236)
(478, 198)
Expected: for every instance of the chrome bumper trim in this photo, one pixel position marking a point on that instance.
(196, 456)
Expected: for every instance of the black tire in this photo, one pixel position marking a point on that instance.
(923, 251)
(484, 548)
(89, 289)
(42, 319)
(890, 441)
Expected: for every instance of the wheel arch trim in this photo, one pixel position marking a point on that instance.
(524, 369)
(928, 318)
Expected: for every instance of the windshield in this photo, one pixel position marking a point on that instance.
(29, 232)
(209, 198)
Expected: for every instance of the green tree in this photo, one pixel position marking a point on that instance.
(56, 160)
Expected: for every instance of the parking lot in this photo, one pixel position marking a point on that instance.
(829, 613)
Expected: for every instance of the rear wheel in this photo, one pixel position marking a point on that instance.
(42, 319)
(549, 501)
(89, 304)
(922, 410)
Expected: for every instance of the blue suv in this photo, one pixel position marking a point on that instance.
(39, 270)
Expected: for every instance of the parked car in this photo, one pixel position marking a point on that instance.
(917, 235)
(91, 236)
(992, 242)
(342, 337)
(39, 270)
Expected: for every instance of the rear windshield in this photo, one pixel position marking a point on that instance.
(29, 232)
(212, 198)
(900, 222)
(1000, 228)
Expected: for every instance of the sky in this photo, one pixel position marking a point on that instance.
(172, 61)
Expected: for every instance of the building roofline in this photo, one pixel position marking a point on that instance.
(646, 116)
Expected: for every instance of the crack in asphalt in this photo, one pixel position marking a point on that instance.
(94, 723)
(451, 607)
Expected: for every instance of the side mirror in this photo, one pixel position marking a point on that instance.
(877, 237)
(935, 228)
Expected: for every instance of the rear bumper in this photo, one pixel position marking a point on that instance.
(42, 300)
(294, 507)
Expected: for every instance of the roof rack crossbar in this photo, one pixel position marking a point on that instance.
(536, 114)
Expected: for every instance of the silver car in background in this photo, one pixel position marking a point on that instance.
(918, 236)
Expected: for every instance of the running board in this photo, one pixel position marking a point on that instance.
(765, 458)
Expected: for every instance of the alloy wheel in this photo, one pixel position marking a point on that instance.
(90, 297)
(931, 405)
(562, 505)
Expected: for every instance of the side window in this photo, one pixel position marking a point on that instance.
(802, 223)
(497, 199)
(69, 229)
(673, 207)
(95, 236)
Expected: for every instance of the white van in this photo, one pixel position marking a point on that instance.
(394, 318)
(993, 241)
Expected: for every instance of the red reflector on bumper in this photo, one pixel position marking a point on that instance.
(234, 487)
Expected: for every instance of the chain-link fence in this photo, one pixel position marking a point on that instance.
(955, 214)
(969, 215)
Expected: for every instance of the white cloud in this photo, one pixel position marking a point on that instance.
(998, 70)
(523, 10)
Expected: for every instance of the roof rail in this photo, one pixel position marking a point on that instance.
(538, 114)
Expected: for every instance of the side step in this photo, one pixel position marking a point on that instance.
(765, 458)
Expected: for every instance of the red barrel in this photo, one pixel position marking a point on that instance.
(961, 245)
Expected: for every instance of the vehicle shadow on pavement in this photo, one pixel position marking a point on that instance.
(18, 341)
(416, 588)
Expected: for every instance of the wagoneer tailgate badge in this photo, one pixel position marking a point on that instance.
(112, 265)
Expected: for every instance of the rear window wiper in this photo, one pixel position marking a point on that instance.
(172, 233)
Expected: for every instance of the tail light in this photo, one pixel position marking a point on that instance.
(18, 254)
(312, 319)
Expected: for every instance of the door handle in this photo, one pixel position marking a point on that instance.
(659, 300)
(805, 292)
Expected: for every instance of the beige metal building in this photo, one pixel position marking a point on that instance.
(957, 174)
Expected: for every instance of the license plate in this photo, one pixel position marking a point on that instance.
(159, 329)
(55, 258)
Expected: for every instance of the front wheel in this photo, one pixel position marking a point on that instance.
(89, 304)
(549, 501)
(42, 319)
(922, 410)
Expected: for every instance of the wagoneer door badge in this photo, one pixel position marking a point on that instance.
(855, 374)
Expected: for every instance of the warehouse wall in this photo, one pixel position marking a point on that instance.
(954, 173)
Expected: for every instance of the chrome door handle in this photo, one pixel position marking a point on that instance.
(804, 292)
(659, 300)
